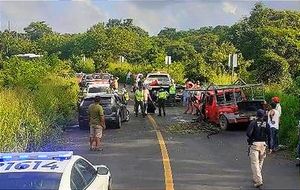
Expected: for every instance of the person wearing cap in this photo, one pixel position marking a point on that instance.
(257, 134)
(273, 122)
(276, 100)
(97, 124)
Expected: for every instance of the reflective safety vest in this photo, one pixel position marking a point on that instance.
(172, 90)
(126, 96)
(139, 96)
(163, 95)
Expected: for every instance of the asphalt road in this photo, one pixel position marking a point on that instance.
(134, 156)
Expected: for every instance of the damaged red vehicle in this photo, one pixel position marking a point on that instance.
(233, 104)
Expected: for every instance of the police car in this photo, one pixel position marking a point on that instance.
(51, 170)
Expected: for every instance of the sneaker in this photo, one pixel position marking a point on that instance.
(258, 185)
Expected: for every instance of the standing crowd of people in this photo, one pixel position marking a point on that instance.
(147, 102)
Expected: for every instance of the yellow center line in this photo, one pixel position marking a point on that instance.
(165, 157)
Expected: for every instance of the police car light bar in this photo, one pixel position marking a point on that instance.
(61, 155)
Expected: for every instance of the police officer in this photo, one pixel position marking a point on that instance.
(161, 101)
(139, 101)
(172, 92)
(125, 96)
(257, 134)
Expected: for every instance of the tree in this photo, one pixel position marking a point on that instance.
(37, 30)
(271, 68)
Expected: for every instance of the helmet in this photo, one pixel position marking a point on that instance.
(276, 99)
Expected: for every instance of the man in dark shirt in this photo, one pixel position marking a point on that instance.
(257, 134)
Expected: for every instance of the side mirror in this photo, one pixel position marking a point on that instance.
(102, 170)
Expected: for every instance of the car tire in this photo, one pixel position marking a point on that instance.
(83, 127)
(223, 121)
(119, 122)
(127, 117)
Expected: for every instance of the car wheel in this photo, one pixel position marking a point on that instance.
(119, 122)
(223, 122)
(83, 127)
(127, 117)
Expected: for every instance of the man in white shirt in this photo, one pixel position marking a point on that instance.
(273, 121)
(278, 106)
(146, 94)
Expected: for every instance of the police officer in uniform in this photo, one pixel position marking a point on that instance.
(139, 101)
(257, 134)
(172, 92)
(161, 100)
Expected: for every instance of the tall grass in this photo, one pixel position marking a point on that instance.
(19, 121)
(31, 105)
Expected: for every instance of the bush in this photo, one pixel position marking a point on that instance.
(176, 70)
(290, 115)
(20, 123)
(38, 95)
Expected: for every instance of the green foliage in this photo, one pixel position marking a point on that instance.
(20, 73)
(80, 64)
(272, 68)
(37, 30)
(39, 94)
(19, 120)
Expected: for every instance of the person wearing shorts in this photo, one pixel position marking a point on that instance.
(97, 124)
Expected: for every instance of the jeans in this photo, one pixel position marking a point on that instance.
(273, 138)
(161, 106)
(136, 107)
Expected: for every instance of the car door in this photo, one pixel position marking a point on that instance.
(121, 107)
(211, 109)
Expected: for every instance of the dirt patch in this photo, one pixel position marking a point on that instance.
(193, 128)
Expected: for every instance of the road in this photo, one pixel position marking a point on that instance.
(139, 160)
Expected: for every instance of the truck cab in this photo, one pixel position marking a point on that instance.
(225, 106)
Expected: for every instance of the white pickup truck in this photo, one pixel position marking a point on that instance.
(157, 79)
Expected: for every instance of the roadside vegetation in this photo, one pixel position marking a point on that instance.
(267, 43)
(37, 98)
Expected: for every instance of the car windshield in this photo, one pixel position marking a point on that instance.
(97, 89)
(89, 77)
(159, 77)
(30, 180)
(106, 76)
(105, 101)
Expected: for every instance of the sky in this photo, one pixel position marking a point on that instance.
(74, 16)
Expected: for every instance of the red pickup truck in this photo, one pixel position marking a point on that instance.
(233, 104)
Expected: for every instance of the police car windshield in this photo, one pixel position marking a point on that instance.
(30, 180)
